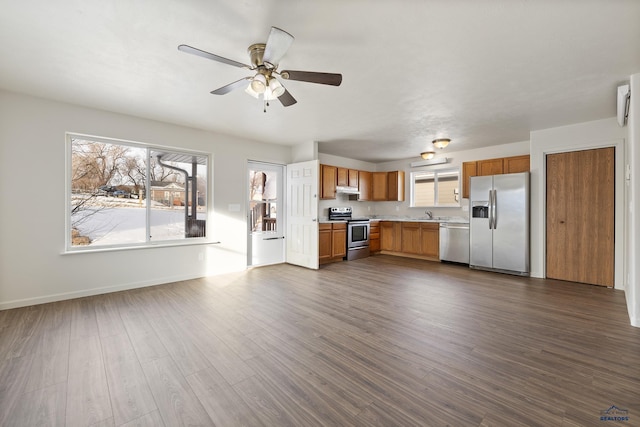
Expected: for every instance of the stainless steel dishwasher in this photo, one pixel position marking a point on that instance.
(454, 242)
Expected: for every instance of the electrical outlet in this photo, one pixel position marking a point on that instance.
(200, 256)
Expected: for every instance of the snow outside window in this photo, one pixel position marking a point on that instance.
(124, 194)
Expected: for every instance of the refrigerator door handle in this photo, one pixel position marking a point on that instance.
(495, 209)
(490, 209)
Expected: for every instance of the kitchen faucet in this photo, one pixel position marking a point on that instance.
(429, 214)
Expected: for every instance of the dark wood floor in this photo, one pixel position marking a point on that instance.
(380, 341)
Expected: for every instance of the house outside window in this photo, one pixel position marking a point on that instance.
(439, 188)
(123, 194)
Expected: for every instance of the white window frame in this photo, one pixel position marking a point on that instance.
(69, 248)
(416, 174)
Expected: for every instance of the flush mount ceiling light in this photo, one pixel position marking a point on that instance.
(441, 142)
(427, 155)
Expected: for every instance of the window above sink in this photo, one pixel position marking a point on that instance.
(440, 188)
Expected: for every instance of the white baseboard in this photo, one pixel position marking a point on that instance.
(90, 292)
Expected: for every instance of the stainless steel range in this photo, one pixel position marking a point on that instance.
(357, 232)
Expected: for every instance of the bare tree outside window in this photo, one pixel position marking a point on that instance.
(108, 198)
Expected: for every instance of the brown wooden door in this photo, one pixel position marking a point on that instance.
(580, 216)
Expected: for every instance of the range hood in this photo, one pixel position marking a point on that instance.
(340, 189)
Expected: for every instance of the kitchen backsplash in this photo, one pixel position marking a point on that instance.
(388, 209)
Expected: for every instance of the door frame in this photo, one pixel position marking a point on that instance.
(619, 204)
(281, 220)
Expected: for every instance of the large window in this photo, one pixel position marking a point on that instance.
(435, 188)
(126, 194)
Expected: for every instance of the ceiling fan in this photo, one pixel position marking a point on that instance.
(265, 58)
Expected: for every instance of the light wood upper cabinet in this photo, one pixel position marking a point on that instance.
(387, 186)
(364, 185)
(469, 169)
(343, 177)
(516, 164)
(353, 178)
(379, 191)
(329, 175)
(376, 186)
(395, 186)
(490, 167)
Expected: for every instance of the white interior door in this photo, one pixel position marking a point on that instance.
(265, 216)
(302, 214)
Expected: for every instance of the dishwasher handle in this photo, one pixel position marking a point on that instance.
(454, 225)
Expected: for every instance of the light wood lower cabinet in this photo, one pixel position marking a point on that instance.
(374, 237)
(339, 241)
(411, 239)
(430, 239)
(324, 242)
(390, 236)
(332, 241)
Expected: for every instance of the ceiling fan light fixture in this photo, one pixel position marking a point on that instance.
(428, 155)
(252, 92)
(269, 95)
(441, 142)
(276, 87)
(259, 83)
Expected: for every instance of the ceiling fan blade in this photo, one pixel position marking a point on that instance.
(313, 77)
(286, 99)
(231, 86)
(278, 43)
(192, 50)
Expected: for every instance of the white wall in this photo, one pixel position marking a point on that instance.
(595, 134)
(632, 289)
(33, 268)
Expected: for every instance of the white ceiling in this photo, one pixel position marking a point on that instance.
(480, 72)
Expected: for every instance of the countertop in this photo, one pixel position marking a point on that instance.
(457, 220)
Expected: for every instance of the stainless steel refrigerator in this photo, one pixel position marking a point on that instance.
(499, 223)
